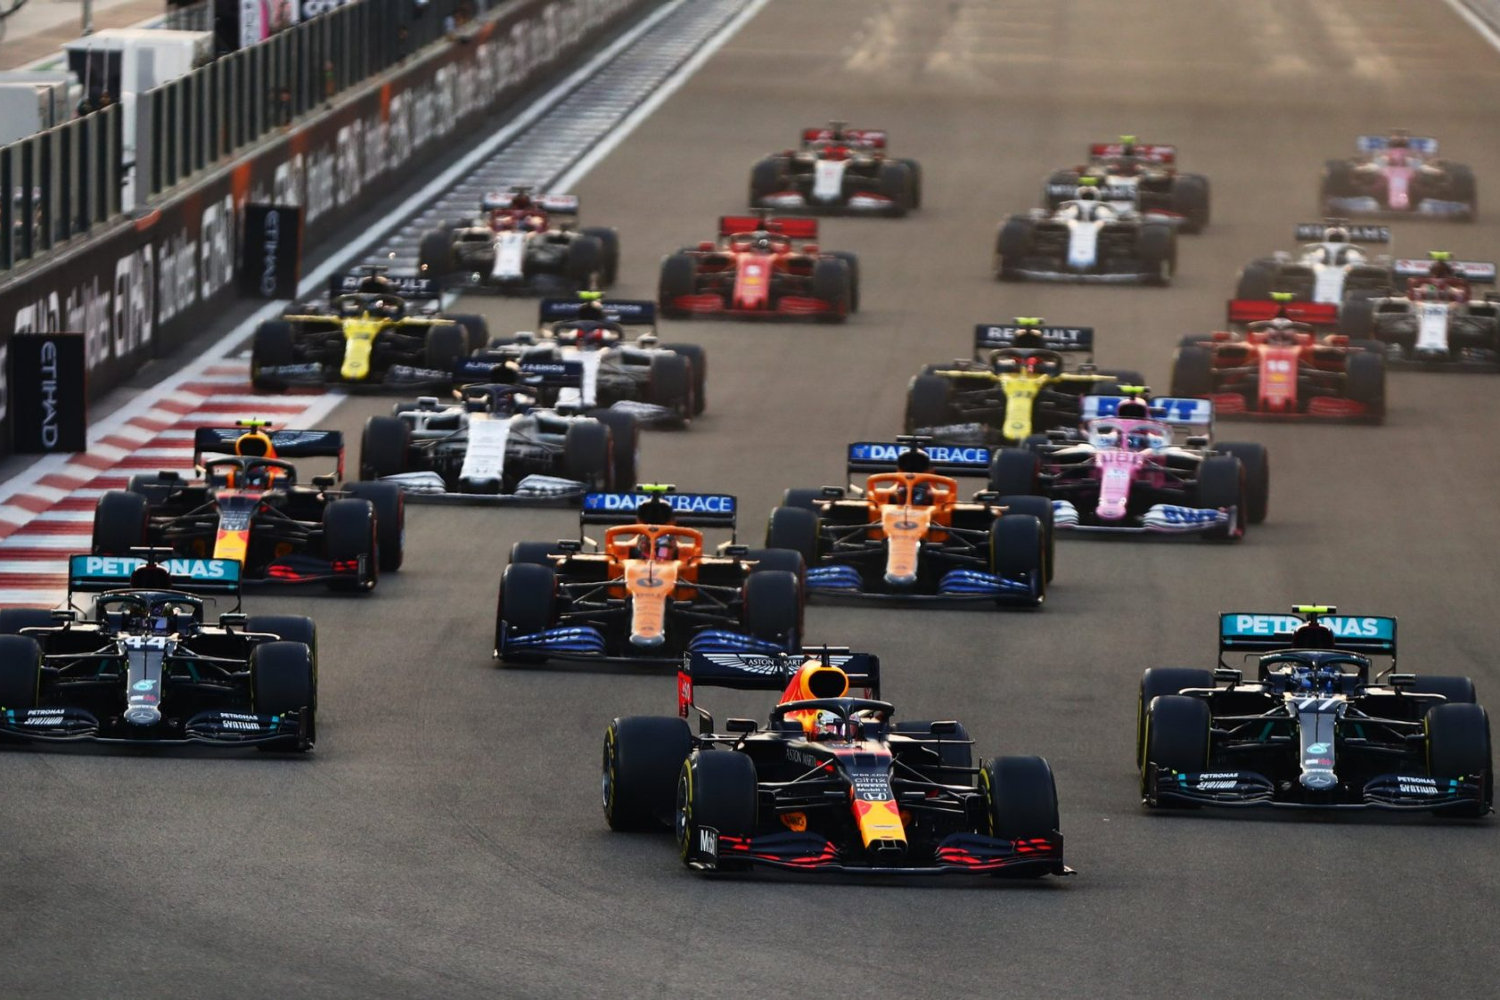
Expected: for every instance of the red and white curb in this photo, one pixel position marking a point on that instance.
(49, 514)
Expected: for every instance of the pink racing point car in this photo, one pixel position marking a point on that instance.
(1128, 474)
(1399, 174)
(756, 270)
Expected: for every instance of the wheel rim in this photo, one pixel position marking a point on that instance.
(684, 819)
(607, 779)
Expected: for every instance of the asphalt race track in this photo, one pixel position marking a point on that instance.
(445, 840)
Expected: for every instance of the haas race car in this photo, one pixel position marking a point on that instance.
(1129, 474)
(492, 443)
(523, 243)
(756, 270)
(247, 505)
(651, 590)
(832, 783)
(1085, 239)
(1281, 368)
(905, 535)
(1439, 323)
(837, 170)
(1017, 384)
(1314, 723)
(1399, 174)
(1140, 177)
(373, 331)
(145, 666)
(1332, 268)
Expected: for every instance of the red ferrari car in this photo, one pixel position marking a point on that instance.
(1280, 367)
(756, 270)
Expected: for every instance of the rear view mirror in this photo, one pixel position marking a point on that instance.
(944, 728)
(740, 725)
(233, 618)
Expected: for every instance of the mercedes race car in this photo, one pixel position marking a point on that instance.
(1139, 177)
(1130, 475)
(1439, 323)
(1332, 268)
(832, 783)
(246, 504)
(656, 384)
(1399, 174)
(756, 270)
(1316, 725)
(523, 243)
(651, 590)
(1017, 384)
(373, 331)
(147, 667)
(1085, 239)
(494, 444)
(906, 535)
(837, 170)
(1281, 368)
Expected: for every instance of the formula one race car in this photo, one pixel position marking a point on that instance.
(837, 170)
(651, 590)
(248, 506)
(1130, 474)
(1315, 726)
(906, 536)
(496, 445)
(754, 270)
(1399, 174)
(524, 243)
(1280, 367)
(1016, 385)
(1438, 323)
(664, 384)
(1085, 239)
(372, 331)
(1140, 177)
(147, 668)
(831, 784)
(1332, 269)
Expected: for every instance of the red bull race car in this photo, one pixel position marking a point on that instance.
(832, 783)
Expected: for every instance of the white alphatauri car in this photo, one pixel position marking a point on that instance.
(1085, 239)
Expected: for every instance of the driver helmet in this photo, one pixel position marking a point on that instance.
(256, 476)
(829, 726)
(1281, 331)
(591, 309)
(1336, 234)
(1312, 636)
(592, 338)
(1441, 269)
(376, 283)
(1142, 439)
(534, 223)
(663, 549)
(1432, 293)
(1397, 140)
(1107, 436)
(1041, 366)
(520, 199)
(1086, 192)
(763, 243)
(920, 494)
(351, 307)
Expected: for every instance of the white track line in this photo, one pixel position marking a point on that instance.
(1476, 22)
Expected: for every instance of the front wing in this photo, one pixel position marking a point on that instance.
(1249, 788)
(956, 854)
(215, 728)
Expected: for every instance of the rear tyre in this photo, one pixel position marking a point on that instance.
(13, 620)
(349, 536)
(446, 343)
(390, 520)
(288, 628)
(643, 756)
(895, 182)
(1176, 737)
(670, 384)
(716, 790)
(1159, 682)
(929, 402)
(1157, 249)
(803, 498)
(698, 358)
(586, 453)
(1457, 690)
(120, 523)
(1458, 746)
(1257, 462)
(585, 261)
(765, 180)
(1357, 318)
(271, 348)
(625, 446)
(679, 277)
(1013, 244)
(1190, 200)
(435, 255)
(1018, 550)
(773, 606)
(1257, 281)
(1015, 472)
(476, 331)
(384, 448)
(1221, 483)
(609, 244)
(1193, 372)
(1020, 798)
(1461, 183)
(533, 553)
(20, 671)
(794, 528)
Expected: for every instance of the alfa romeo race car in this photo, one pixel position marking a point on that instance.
(1085, 239)
(756, 270)
(906, 536)
(494, 444)
(1316, 725)
(832, 783)
(1333, 268)
(1280, 367)
(1439, 323)
(146, 666)
(246, 504)
(522, 243)
(1399, 174)
(1129, 475)
(837, 170)
(663, 384)
(651, 590)
(373, 331)
(1016, 384)
(1140, 177)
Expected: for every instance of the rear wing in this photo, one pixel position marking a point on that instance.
(543, 374)
(407, 286)
(691, 510)
(92, 574)
(627, 312)
(1475, 272)
(288, 444)
(1318, 231)
(770, 672)
(1178, 412)
(1155, 152)
(1426, 145)
(988, 336)
(791, 228)
(1258, 310)
(1252, 632)
(869, 138)
(553, 204)
(947, 459)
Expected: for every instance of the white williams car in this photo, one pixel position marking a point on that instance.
(1085, 239)
(1332, 269)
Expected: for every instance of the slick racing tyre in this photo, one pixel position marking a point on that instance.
(1176, 738)
(1158, 682)
(435, 255)
(527, 603)
(1013, 244)
(1019, 550)
(535, 553)
(670, 384)
(446, 343)
(1257, 280)
(1462, 188)
(288, 628)
(1020, 798)
(586, 454)
(1457, 690)
(1193, 372)
(1257, 462)
(1365, 380)
(384, 447)
(624, 446)
(782, 560)
(851, 261)
(772, 606)
(1015, 472)
(13, 620)
(1221, 483)
(20, 671)
(1041, 509)
(390, 520)
(895, 181)
(585, 261)
(1458, 746)
(349, 536)
(609, 244)
(916, 180)
(1357, 319)
(272, 347)
(794, 528)
(120, 523)
(476, 330)
(1190, 199)
(283, 680)
(717, 797)
(765, 180)
(803, 498)
(1338, 181)
(1157, 250)
(698, 358)
(643, 756)
(929, 402)
(831, 284)
(679, 277)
